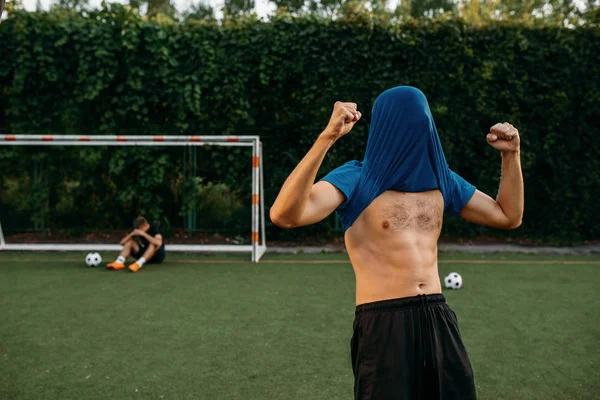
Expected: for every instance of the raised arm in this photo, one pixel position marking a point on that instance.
(506, 211)
(302, 202)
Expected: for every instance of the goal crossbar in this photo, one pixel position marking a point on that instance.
(258, 246)
(116, 140)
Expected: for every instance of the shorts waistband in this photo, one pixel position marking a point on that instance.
(401, 304)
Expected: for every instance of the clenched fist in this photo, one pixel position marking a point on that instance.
(504, 137)
(343, 118)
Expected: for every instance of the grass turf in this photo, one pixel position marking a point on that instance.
(216, 327)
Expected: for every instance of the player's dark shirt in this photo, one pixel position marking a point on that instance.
(152, 232)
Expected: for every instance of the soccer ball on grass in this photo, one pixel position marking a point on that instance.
(93, 259)
(453, 281)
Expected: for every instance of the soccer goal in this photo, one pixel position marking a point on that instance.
(163, 148)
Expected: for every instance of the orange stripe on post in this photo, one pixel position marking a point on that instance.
(158, 138)
(121, 139)
(9, 138)
(195, 139)
(255, 199)
(84, 139)
(47, 138)
(254, 237)
(233, 139)
(255, 162)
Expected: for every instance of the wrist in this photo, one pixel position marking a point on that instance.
(328, 137)
(511, 153)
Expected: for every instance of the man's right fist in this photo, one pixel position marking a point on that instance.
(343, 118)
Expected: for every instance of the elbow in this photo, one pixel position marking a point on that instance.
(513, 223)
(280, 220)
(516, 224)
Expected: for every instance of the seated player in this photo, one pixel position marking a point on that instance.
(143, 243)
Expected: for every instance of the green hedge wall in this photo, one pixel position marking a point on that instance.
(114, 72)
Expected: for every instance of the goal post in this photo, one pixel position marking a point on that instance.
(257, 248)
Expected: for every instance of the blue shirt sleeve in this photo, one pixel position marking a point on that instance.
(458, 193)
(345, 178)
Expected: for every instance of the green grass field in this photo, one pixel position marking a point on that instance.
(216, 327)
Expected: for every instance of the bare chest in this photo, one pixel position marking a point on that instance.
(396, 211)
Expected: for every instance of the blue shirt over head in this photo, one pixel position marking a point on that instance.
(403, 153)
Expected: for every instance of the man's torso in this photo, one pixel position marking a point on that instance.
(393, 246)
(142, 241)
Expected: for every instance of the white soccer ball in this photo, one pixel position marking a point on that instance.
(93, 259)
(453, 280)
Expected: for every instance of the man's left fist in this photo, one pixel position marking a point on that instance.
(504, 137)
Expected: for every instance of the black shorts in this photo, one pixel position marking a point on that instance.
(410, 349)
(157, 258)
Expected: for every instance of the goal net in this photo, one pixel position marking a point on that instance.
(65, 192)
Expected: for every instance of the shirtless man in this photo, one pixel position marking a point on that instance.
(406, 343)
